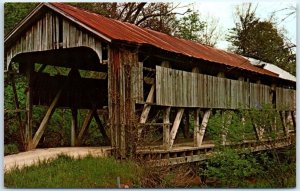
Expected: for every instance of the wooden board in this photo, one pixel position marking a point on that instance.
(44, 35)
(187, 89)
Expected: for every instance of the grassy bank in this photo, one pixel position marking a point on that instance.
(66, 172)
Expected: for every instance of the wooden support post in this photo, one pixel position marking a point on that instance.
(201, 132)
(224, 129)
(44, 122)
(166, 128)
(175, 126)
(85, 125)
(74, 127)
(28, 131)
(17, 105)
(101, 127)
(186, 126)
(284, 122)
(197, 128)
(29, 105)
(293, 119)
(243, 124)
(256, 131)
(226, 124)
(146, 109)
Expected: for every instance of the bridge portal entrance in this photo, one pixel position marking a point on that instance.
(70, 79)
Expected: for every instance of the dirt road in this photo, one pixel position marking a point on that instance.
(32, 157)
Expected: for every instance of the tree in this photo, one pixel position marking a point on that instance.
(200, 29)
(14, 13)
(156, 16)
(262, 40)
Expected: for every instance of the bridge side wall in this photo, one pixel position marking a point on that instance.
(186, 89)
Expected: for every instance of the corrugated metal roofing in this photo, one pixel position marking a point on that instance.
(117, 30)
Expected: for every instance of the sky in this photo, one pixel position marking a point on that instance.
(224, 11)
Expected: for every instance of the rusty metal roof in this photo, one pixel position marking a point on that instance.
(114, 30)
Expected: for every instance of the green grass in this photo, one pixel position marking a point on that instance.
(65, 172)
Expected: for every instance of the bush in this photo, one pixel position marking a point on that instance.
(10, 149)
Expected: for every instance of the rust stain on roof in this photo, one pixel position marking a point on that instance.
(122, 31)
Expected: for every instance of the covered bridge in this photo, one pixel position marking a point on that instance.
(140, 72)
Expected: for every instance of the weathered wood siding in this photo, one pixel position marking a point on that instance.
(285, 99)
(137, 82)
(187, 89)
(121, 102)
(44, 35)
(259, 95)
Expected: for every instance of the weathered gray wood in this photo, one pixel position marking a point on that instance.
(166, 128)
(85, 125)
(197, 128)
(137, 83)
(226, 119)
(200, 134)
(215, 92)
(44, 122)
(146, 108)
(74, 126)
(175, 126)
(44, 35)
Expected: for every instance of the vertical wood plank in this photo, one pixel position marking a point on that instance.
(74, 128)
(166, 128)
(197, 128)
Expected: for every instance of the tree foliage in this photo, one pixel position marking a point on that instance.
(14, 13)
(156, 16)
(261, 40)
(197, 28)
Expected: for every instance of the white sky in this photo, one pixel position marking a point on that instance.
(224, 11)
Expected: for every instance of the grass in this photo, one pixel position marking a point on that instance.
(65, 172)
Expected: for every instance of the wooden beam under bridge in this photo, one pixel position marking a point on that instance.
(42, 127)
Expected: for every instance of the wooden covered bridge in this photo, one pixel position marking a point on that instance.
(144, 79)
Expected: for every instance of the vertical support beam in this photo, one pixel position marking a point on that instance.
(166, 128)
(243, 124)
(224, 129)
(175, 126)
(121, 102)
(284, 122)
(74, 127)
(293, 119)
(29, 105)
(17, 105)
(186, 127)
(85, 125)
(226, 123)
(197, 135)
